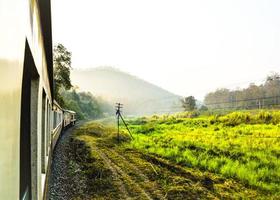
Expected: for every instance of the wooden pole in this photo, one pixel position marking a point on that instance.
(118, 112)
(118, 127)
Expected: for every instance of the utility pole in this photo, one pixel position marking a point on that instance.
(119, 115)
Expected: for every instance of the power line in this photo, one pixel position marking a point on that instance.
(175, 109)
(245, 107)
(241, 100)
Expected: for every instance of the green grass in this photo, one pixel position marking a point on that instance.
(164, 176)
(244, 146)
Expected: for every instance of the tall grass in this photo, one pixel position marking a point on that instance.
(240, 145)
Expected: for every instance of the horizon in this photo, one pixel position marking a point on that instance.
(187, 48)
(233, 86)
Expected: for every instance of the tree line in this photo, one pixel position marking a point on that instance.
(85, 104)
(266, 95)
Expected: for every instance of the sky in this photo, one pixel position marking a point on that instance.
(189, 47)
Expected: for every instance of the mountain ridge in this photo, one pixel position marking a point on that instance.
(140, 96)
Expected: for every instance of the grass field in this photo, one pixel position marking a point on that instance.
(241, 145)
(181, 156)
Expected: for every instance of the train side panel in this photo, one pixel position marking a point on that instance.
(12, 42)
(25, 99)
(57, 123)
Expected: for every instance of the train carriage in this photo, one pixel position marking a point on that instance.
(30, 120)
(69, 117)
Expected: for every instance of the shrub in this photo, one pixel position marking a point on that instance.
(235, 118)
(263, 117)
(147, 128)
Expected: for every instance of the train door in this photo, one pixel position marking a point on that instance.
(28, 133)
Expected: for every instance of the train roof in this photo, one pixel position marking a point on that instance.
(56, 104)
(70, 111)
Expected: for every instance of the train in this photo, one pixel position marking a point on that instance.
(31, 121)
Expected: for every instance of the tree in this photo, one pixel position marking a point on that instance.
(62, 67)
(272, 88)
(85, 104)
(203, 108)
(189, 103)
(273, 76)
(265, 95)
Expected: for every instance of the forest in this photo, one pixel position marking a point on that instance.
(86, 105)
(266, 95)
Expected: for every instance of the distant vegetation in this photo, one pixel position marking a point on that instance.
(62, 67)
(84, 104)
(266, 95)
(189, 103)
(244, 146)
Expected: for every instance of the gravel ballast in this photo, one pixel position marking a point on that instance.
(61, 184)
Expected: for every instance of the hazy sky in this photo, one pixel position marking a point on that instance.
(188, 47)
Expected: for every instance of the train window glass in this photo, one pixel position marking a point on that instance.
(48, 128)
(54, 119)
(34, 134)
(51, 126)
(58, 118)
(28, 133)
(43, 137)
(46, 125)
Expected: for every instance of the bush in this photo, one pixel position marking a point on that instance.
(260, 117)
(263, 117)
(235, 118)
(139, 121)
(190, 114)
(147, 128)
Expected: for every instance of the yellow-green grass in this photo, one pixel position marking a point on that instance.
(239, 145)
(165, 176)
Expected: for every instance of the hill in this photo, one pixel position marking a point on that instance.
(139, 96)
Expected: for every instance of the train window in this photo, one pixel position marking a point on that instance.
(51, 124)
(43, 136)
(48, 128)
(28, 126)
(54, 120)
